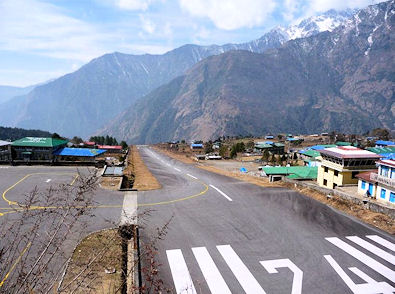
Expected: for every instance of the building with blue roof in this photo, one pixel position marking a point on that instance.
(67, 154)
(382, 143)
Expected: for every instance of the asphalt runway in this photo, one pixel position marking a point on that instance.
(228, 236)
(17, 182)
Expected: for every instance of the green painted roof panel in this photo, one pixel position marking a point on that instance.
(300, 172)
(38, 142)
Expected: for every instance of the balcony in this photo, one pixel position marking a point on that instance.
(383, 180)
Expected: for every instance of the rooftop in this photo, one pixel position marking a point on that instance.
(389, 162)
(38, 142)
(366, 175)
(83, 152)
(382, 150)
(310, 153)
(385, 143)
(348, 152)
(295, 172)
(4, 143)
(116, 147)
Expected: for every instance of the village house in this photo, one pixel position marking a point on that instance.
(32, 149)
(5, 152)
(340, 165)
(380, 183)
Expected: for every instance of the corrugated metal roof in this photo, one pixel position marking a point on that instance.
(83, 152)
(310, 153)
(385, 143)
(4, 143)
(298, 172)
(340, 143)
(382, 150)
(113, 170)
(38, 142)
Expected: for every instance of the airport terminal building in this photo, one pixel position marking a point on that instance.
(32, 149)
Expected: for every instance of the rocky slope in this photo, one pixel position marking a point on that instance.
(84, 101)
(341, 80)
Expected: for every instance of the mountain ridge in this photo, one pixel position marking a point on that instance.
(339, 80)
(96, 93)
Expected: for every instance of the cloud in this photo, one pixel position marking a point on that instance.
(147, 25)
(324, 5)
(230, 14)
(134, 4)
(44, 29)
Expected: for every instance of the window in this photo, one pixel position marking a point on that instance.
(334, 185)
(384, 171)
(326, 169)
(325, 183)
(382, 193)
(392, 197)
(336, 173)
(363, 185)
(354, 174)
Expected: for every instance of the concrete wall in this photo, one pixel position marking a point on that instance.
(373, 206)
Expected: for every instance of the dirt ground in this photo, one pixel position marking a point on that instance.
(110, 183)
(183, 157)
(231, 168)
(103, 252)
(143, 178)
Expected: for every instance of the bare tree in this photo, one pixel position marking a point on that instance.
(36, 236)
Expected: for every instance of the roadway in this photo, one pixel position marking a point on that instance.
(16, 184)
(229, 236)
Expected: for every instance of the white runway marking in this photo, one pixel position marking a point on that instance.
(370, 262)
(193, 177)
(382, 242)
(179, 270)
(222, 193)
(374, 249)
(129, 209)
(214, 279)
(177, 169)
(239, 269)
(272, 265)
(371, 286)
(47, 181)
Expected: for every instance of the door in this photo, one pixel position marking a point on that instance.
(370, 189)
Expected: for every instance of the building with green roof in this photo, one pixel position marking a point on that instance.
(291, 172)
(35, 149)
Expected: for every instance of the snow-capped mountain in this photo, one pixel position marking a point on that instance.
(327, 21)
(99, 91)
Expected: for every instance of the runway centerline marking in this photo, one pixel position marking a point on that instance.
(193, 177)
(222, 193)
(177, 169)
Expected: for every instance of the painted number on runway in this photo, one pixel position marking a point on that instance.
(216, 283)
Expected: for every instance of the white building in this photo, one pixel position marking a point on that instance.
(379, 184)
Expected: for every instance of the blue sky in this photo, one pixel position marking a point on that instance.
(44, 39)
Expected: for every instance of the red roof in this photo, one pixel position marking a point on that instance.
(366, 176)
(109, 147)
(90, 143)
(389, 162)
